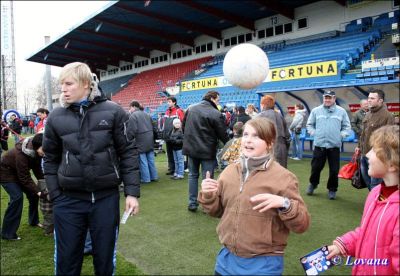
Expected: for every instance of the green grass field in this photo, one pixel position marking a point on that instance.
(166, 239)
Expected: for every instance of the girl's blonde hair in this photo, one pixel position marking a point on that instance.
(385, 142)
(264, 128)
(78, 71)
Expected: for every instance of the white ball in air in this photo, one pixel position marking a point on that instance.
(246, 66)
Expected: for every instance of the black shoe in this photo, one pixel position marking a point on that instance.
(169, 173)
(12, 239)
(192, 208)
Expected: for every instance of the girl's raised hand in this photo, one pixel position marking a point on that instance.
(209, 185)
(264, 202)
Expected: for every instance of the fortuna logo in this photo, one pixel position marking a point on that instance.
(103, 123)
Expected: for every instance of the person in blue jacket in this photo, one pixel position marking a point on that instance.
(329, 124)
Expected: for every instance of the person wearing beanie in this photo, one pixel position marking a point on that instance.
(176, 141)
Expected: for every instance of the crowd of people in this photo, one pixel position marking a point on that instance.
(89, 150)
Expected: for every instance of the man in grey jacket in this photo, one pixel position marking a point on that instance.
(356, 121)
(141, 127)
(329, 124)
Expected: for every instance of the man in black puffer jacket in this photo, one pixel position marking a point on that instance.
(203, 126)
(87, 155)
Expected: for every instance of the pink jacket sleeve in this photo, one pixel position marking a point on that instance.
(394, 250)
(349, 240)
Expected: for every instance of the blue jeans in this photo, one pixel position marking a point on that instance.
(297, 150)
(88, 244)
(179, 163)
(229, 264)
(369, 181)
(194, 166)
(147, 167)
(16, 138)
(12, 216)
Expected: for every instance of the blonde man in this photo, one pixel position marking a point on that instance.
(87, 155)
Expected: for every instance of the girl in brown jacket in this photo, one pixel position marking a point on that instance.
(258, 202)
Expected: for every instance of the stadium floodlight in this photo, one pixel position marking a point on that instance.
(46, 56)
(66, 44)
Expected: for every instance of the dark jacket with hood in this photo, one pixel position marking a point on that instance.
(17, 163)
(243, 117)
(88, 152)
(141, 127)
(16, 125)
(176, 139)
(203, 125)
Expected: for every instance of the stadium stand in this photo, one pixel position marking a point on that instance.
(384, 22)
(112, 86)
(347, 48)
(144, 86)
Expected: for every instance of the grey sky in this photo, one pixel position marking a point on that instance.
(35, 19)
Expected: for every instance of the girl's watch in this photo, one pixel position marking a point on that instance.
(286, 204)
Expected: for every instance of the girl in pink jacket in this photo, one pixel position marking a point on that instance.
(373, 247)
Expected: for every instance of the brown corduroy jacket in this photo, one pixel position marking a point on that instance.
(244, 231)
(374, 119)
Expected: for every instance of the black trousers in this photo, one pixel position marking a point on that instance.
(170, 155)
(72, 219)
(318, 163)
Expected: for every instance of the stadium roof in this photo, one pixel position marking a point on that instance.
(126, 29)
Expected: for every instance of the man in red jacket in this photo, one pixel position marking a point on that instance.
(173, 111)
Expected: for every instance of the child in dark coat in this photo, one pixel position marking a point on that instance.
(176, 140)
